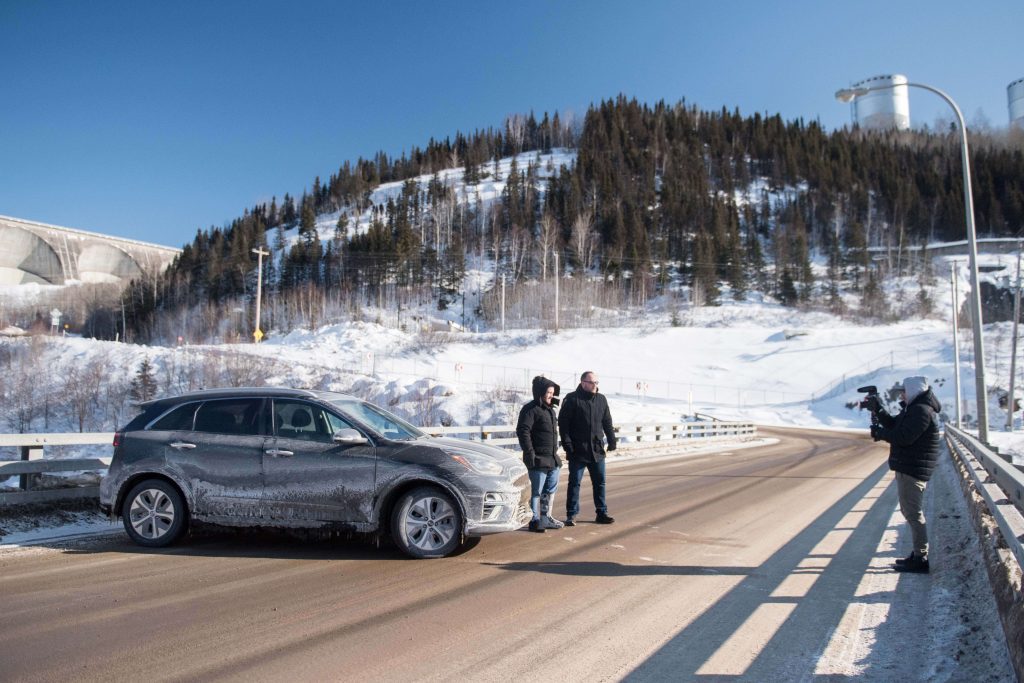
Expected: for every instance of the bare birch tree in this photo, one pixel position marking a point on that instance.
(584, 238)
(547, 239)
(515, 128)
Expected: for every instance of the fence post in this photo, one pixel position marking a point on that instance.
(30, 453)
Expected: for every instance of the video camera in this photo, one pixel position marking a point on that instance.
(870, 401)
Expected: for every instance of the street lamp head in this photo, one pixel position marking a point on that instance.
(850, 94)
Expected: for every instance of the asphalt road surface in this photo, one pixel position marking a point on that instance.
(735, 564)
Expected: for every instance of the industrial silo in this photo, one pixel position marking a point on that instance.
(885, 108)
(1015, 95)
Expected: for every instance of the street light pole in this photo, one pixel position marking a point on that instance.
(257, 334)
(850, 94)
(1010, 401)
(956, 342)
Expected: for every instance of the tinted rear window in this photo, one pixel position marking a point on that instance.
(179, 419)
(230, 416)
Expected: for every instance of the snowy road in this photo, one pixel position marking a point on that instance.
(759, 564)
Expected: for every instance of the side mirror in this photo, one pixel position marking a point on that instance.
(349, 437)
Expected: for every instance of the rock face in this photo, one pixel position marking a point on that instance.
(996, 303)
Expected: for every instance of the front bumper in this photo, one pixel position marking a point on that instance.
(498, 511)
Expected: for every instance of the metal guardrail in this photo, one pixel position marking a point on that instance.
(999, 482)
(629, 433)
(32, 448)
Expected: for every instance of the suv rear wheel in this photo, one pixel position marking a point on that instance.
(426, 523)
(154, 513)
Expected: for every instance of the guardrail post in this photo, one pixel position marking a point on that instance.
(30, 453)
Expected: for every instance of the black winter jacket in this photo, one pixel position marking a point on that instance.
(913, 436)
(537, 429)
(582, 421)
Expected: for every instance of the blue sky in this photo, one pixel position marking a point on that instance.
(150, 120)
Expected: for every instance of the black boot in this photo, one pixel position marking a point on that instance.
(913, 565)
(904, 560)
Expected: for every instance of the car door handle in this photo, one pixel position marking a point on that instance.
(181, 444)
(278, 453)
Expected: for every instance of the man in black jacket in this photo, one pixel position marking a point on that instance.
(537, 430)
(582, 421)
(913, 436)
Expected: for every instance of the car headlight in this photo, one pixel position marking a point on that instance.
(471, 460)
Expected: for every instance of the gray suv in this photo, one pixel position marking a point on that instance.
(306, 459)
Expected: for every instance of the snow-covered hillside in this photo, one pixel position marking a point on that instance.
(752, 361)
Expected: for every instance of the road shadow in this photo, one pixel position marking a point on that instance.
(617, 569)
(212, 541)
(793, 650)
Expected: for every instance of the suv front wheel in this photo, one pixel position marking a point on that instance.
(426, 523)
(154, 513)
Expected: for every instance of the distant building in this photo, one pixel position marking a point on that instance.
(49, 254)
(1015, 98)
(883, 109)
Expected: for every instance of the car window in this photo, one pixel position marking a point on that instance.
(230, 416)
(179, 419)
(378, 419)
(301, 420)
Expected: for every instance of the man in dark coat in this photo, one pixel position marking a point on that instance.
(537, 430)
(913, 436)
(582, 421)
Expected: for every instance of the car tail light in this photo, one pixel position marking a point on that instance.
(118, 438)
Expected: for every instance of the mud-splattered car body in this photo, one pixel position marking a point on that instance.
(306, 459)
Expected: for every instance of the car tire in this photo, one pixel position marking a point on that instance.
(426, 523)
(154, 513)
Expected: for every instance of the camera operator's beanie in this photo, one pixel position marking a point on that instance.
(914, 387)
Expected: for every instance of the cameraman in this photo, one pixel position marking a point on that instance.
(913, 436)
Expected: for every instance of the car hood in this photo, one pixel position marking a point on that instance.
(501, 455)
(510, 461)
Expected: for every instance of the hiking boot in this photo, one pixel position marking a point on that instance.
(536, 526)
(913, 565)
(603, 518)
(550, 522)
(570, 521)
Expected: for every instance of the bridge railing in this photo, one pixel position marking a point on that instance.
(32, 462)
(998, 481)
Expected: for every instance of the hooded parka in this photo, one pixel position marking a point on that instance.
(537, 429)
(913, 436)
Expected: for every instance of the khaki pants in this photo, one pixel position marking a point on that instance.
(911, 495)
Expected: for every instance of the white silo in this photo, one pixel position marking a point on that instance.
(1015, 96)
(886, 108)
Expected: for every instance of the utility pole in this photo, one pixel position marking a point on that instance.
(503, 302)
(1010, 402)
(956, 343)
(558, 276)
(258, 333)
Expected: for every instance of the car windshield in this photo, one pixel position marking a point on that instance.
(381, 421)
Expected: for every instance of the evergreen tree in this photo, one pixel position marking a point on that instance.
(144, 385)
(873, 303)
(787, 289)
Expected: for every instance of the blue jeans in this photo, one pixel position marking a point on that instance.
(572, 497)
(541, 484)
